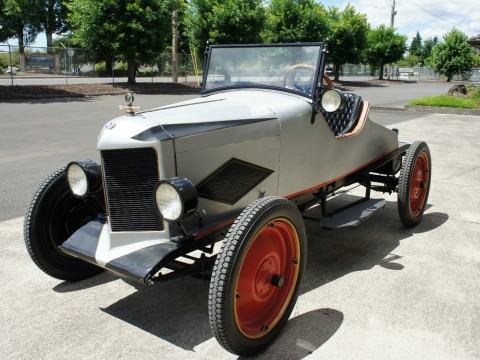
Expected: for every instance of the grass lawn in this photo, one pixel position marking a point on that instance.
(471, 101)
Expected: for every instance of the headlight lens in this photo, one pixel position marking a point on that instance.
(83, 177)
(77, 179)
(169, 202)
(332, 100)
(176, 198)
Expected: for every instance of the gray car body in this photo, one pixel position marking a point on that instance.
(272, 129)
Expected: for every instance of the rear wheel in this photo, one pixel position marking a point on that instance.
(53, 216)
(257, 275)
(414, 184)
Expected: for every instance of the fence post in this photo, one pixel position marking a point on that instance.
(113, 71)
(65, 57)
(10, 60)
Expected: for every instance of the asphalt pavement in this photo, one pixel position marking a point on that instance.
(39, 136)
(377, 292)
(397, 94)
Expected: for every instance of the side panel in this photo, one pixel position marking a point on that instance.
(312, 155)
(200, 156)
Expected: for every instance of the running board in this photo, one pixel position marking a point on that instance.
(352, 216)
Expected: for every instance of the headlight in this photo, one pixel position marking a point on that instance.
(83, 177)
(176, 198)
(333, 100)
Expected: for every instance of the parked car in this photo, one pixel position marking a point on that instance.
(11, 70)
(239, 167)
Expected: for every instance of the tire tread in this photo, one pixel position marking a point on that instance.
(222, 270)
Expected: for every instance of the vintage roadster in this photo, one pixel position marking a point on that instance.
(239, 166)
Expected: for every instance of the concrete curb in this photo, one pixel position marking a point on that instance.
(387, 108)
(441, 110)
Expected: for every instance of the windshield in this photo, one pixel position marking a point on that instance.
(290, 67)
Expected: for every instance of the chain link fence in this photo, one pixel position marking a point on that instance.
(393, 72)
(52, 66)
(56, 66)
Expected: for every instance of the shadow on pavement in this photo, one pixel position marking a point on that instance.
(100, 279)
(303, 335)
(348, 84)
(177, 311)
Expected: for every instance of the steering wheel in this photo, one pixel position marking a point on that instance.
(290, 83)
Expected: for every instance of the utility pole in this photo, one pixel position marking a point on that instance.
(175, 45)
(393, 12)
(392, 15)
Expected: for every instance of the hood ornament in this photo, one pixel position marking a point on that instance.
(129, 108)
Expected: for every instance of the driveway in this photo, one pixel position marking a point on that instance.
(398, 94)
(378, 292)
(41, 135)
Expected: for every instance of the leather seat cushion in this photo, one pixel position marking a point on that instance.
(343, 121)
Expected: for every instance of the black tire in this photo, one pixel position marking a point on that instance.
(53, 215)
(411, 212)
(226, 274)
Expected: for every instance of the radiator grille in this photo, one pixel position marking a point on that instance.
(130, 178)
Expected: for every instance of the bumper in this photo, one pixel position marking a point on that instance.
(139, 263)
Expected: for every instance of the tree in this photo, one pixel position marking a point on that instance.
(18, 20)
(133, 30)
(225, 22)
(416, 47)
(347, 37)
(427, 49)
(454, 56)
(384, 46)
(53, 18)
(295, 20)
(476, 61)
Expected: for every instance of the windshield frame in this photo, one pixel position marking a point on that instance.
(320, 68)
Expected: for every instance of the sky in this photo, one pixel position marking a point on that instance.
(429, 17)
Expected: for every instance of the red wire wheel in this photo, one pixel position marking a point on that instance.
(256, 276)
(414, 184)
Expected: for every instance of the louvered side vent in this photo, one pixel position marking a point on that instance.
(130, 177)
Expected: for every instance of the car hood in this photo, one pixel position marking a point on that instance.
(207, 113)
(234, 105)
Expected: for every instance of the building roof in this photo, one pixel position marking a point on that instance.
(475, 41)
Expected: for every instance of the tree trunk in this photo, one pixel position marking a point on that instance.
(21, 48)
(381, 71)
(108, 66)
(174, 46)
(449, 78)
(49, 34)
(131, 71)
(336, 70)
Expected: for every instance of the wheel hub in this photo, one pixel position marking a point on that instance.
(263, 282)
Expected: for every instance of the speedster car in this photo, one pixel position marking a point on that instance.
(269, 138)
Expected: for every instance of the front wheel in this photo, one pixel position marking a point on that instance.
(257, 275)
(414, 184)
(53, 216)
